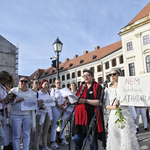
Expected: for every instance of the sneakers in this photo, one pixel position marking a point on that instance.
(54, 145)
(146, 129)
(64, 143)
(46, 148)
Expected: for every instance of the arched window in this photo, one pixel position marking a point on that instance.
(148, 63)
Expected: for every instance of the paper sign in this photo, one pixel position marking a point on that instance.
(65, 92)
(29, 105)
(134, 91)
(50, 101)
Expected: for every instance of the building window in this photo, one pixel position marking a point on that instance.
(129, 46)
(100, 80)
(54, 80)
(148, 63)
(68, 76)
(107, 65)
(108, 77)
(121, 59)
(122, 73)
(73, 75)
(131, 69)
(146, 39)
(113, 62)
(94, 56)
(99, 68)
(50, 81)
(68, 85)
(63, 77)
(70, 65)
(92, 68)
(79, 73)
(81, 61)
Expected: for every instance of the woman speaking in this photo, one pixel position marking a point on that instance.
(85, 110)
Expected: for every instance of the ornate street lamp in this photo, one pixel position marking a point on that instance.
(57, 48)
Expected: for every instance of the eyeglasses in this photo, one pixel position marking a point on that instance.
(112, 74)
(25, 81)
(87, 75)
(58, 82)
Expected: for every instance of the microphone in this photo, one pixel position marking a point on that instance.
(84, 85)
(105, 83)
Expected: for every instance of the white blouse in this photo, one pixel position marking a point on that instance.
(56, 93)
(3, 94)
(48, 110)
(16, 107)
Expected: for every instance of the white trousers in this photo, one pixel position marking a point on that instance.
(143, 114)
(56, 114)
(19, 122)
(2, 122)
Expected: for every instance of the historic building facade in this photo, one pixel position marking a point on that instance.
(9, 58)
(131, 53)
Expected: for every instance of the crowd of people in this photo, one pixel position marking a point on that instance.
(32, 126)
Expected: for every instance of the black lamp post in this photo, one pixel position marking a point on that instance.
(57, 48)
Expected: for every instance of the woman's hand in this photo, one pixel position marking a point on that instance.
(116, 104)
(19, 100)
(62, 108)
(82, 100)
(40, 101)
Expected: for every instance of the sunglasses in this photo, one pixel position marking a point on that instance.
(25, 81)
(112, 74)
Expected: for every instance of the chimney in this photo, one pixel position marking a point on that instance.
(85, 52)
(97, 47)
(67, 59)
(75, 56)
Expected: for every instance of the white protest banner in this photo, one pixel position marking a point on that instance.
(133, 91)
(29, 105)
(71, 96)
(49, 101)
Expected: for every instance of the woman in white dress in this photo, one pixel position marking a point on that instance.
(56, 113)
(119, 139)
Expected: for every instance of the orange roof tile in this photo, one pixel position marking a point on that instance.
(40, 71)
(87, 58)
(143, 13)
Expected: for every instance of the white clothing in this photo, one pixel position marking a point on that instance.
(16, 107)
(2, 118)
(56, 93)
(120, 139)
(143, 114)
(56, 113)
(17, 123)
(22, 119)
(48, 110)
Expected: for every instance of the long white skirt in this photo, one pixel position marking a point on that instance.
(121, 139)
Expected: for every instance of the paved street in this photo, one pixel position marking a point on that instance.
(143, 139)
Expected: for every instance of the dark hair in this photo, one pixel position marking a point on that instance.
(53, 86)
(6, 78)
(74, 84)
(89, 71)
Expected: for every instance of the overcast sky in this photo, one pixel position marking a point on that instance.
(80, 25)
